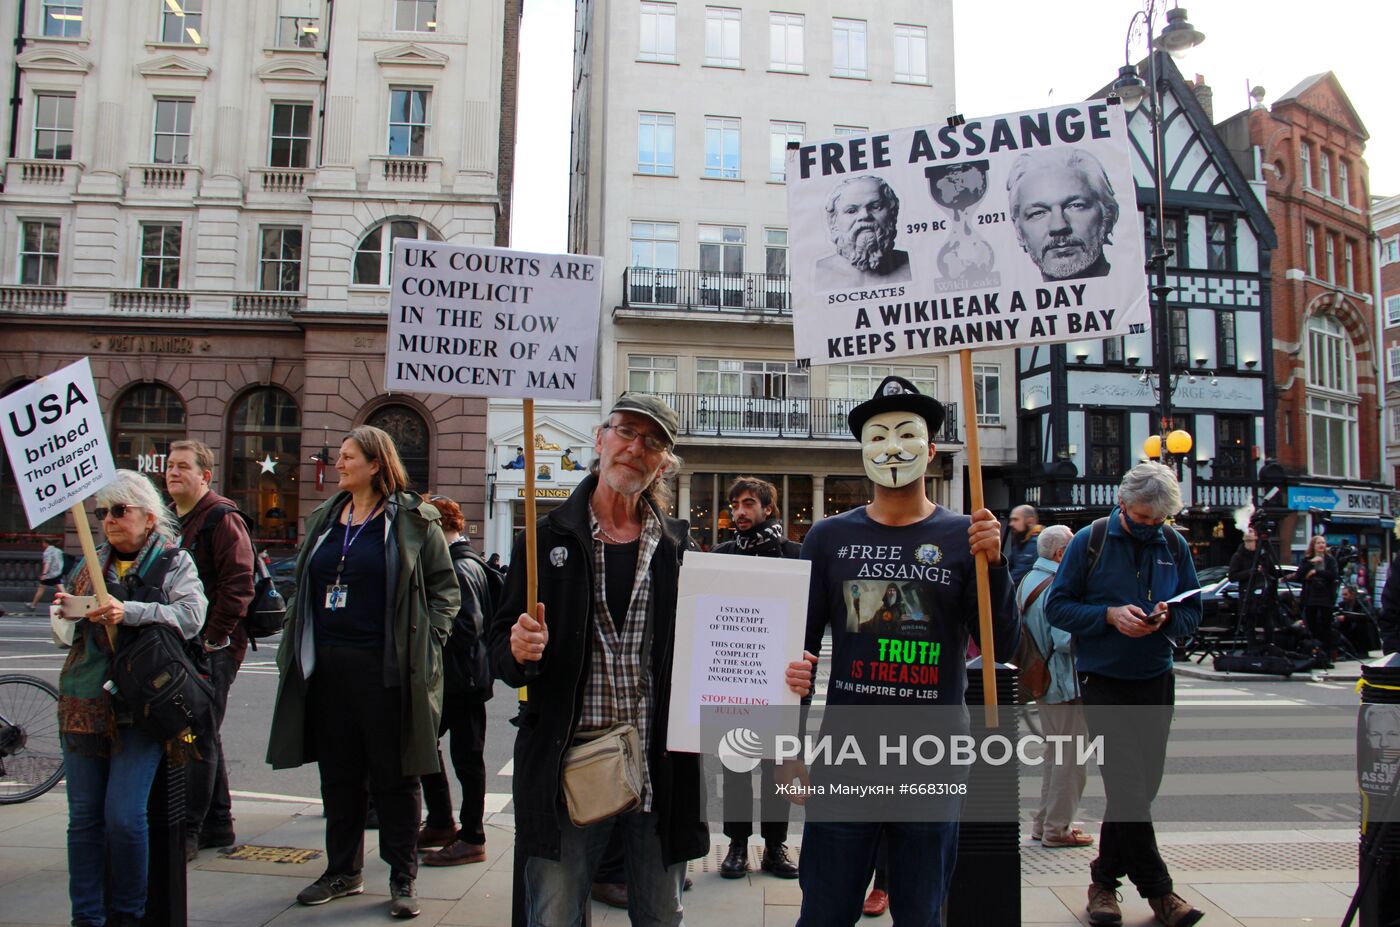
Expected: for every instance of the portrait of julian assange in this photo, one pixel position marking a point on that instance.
(1064, 211)
(862, 217)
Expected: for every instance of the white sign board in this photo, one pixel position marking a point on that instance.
(739, 622)
(1012, 230)
(473, 321)
(57, 441)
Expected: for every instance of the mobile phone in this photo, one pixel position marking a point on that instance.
(77, 606)
(1157, 617)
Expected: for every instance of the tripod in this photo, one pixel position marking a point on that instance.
(1263, 575)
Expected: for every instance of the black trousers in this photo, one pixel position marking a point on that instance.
(738, 806)
(1135, 752)
(208, 808)
(465, 720)
(1318, 618)
(356, 724)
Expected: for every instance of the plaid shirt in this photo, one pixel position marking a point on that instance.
(618, 688)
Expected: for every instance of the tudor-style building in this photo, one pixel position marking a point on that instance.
(203, 199)
(1085, 408)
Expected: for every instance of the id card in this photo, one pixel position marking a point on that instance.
(336, 597)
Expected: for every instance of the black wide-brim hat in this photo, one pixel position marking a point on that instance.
(896, 394)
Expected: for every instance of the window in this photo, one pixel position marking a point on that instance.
(779, 134)
(1180, 338)
(1106, 445)
(38, 252)
(655, 244)
(147, 418)
(53, 126)
(1225, 346)
(63, 18)
(658, 42)
(848, 131)
(1233, 450)
(160, 256)
(1392, 310)
(1395, 426)
(1331, 361)
(1343, 181)
(911, 54)
(1349, 264)
(264, 454)
(1332, 434)
(847, 48)
(298, 23)
(181, 21)
(375, 255)
(1331, 258)
(858, 381)
(415, 15)
(1333, 403)
(721, 147)
(1113, 351)
(650, 373)
(721, 266)
(1390, 250)
(1392, 364)
(1325, 173)
(408, 122)
(1174, 239)
(1310, 250)
(1218, 244)
(290, 141)
(986, 387)
(1305, 163)
(785, 42)
(755, 379)
(656, 143)
(411, 438)
(172, 132)
(279, 262)
(775, 266)
(721, 37)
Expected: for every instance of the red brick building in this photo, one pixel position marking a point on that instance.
(1305, 153)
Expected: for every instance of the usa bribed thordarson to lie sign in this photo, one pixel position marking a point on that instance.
(478, 321)
(1010, 230)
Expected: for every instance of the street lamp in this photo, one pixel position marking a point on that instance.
(1178, 37)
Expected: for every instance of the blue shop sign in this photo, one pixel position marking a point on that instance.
(1301, 498)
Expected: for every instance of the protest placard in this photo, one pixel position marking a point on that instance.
(476, 321)
(1014, 229)
(739, 622)
(56, 441)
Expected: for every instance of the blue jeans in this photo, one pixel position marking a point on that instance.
(839, 857)
(107, 825)
(556, 891)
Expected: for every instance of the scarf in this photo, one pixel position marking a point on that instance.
(87, 718)
(764, 539)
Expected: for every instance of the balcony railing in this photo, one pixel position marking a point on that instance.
(268, 305)
(701, 290)
(1101, 493)
(711, 416)
(33, 298)
(41, 177)
(169, 178)
(151, 302)
(279, 179)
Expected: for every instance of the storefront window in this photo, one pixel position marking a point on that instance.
(797, 507)
(702, 509)
(148, 418)
(14, 526)
(844, 493)
(411, 437)
(264, 455)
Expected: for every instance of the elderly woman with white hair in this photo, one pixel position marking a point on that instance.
(111, 763)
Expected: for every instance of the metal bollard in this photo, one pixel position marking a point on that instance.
(1378, 776)
(166, 901)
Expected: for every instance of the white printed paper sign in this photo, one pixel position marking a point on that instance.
(57, 442)
(475, 321)
(739, 622)
(1011, 230)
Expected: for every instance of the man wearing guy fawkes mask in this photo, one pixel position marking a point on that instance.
(928, 553)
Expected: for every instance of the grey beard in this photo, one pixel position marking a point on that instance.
(867, 251)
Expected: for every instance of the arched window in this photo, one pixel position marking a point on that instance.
(264, 458)
(374, 256)
(14, 524)
(1333, 402)
(411, 437)
(146, 419)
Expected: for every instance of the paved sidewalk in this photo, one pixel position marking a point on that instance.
(1286, 878)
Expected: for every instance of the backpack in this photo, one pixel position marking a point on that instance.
(1098, 532)
(1032, 668)
(268, 609)
(467, 665)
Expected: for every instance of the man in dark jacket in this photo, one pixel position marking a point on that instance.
(596, 653)
(1021, 540)
(1388, 621)
(212, 529)
(753, 508)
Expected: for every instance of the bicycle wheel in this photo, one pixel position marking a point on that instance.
(31, 758)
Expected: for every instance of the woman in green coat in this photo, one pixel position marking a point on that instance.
(361, 664)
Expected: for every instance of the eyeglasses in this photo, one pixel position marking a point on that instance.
(116, 511)
(629, 434)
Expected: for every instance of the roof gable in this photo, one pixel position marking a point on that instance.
(1323, 93)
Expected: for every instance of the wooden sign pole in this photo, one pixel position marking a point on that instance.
(532, 565)
(94, 569)
(984, 589)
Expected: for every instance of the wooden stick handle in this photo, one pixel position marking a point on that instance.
(94, 569)
(984, 588)
(532, 564)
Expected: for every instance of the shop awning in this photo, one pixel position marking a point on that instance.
(1361, 521)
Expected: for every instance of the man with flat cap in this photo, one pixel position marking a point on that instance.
(927, 554)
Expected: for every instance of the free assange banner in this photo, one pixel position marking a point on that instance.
(1010, 230)
(478, 321)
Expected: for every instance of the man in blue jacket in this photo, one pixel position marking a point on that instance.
(1113, 601)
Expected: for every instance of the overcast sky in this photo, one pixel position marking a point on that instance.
(1040, 59)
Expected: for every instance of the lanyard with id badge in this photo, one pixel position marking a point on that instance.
(337, 593)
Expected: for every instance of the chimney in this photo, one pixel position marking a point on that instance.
(1204, 97)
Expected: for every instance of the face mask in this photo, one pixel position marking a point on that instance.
(894, 448)
(1143, 532)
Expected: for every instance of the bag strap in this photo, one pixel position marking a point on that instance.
(1098, 533)
(1035, 593)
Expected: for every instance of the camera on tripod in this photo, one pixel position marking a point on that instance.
(1264, 521)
